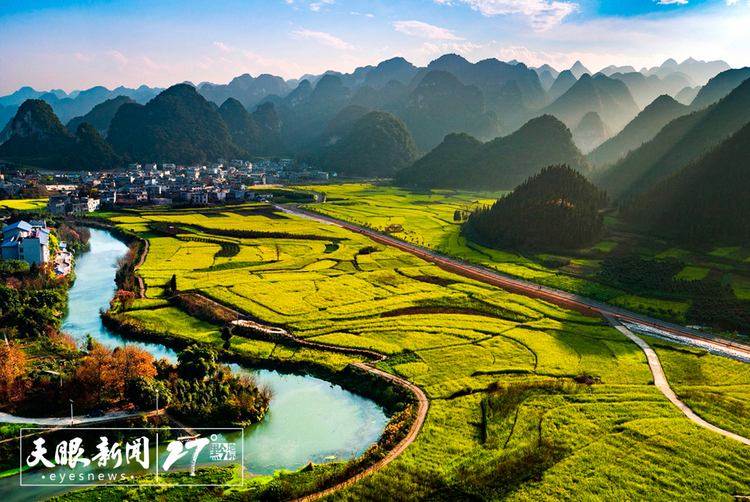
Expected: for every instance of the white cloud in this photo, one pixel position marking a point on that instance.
(117, 56)
(315, 7)
(222, 47)
(150, 64)
(670, 2)
(369, 15)
(424, 30)
(322, 38)
(450, 47)
(81, 57)
(276, 66)
(542, 14)
(732, 2)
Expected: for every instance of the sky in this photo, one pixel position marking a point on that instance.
(71, 45)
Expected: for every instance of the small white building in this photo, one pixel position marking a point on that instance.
(26, 242)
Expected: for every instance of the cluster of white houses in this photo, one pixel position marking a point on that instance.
(26, 241)
(63, 204)
(234, 180)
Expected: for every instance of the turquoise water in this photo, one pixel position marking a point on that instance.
(309, 420)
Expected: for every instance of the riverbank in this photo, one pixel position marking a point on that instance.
(320, 400)
(359, 378)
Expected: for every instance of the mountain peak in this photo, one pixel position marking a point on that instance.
(579, 70)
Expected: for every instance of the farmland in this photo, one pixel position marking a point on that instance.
(24, 204)
(571, 412)
(428, 218)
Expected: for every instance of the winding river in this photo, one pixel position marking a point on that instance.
(309, 420)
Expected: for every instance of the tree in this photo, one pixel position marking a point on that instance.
(9, 299)
(12, 371)
(196, 362)
(226, 334)
(142, 392)
(173, 284)
(123, 299)
(54, 244)
(95, 373)
(130, 362)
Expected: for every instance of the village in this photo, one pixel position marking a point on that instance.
(224, 181)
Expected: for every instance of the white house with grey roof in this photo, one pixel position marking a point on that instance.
(25, 241)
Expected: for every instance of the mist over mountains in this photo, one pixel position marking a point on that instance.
(488, 123)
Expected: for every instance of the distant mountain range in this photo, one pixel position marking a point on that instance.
(682, 141)
(488, 100)
(643, 128)
(461, 161)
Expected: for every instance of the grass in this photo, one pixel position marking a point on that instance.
(726, 252)
(606, 246)
(716, 388)
(674, 253)
(464, 342)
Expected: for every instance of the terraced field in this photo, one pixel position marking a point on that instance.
(569, 412)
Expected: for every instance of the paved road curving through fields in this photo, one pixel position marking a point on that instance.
(660, 381)
(141, 284)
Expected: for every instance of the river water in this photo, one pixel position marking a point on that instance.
(309, 420)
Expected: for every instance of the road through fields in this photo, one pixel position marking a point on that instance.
(513, 285)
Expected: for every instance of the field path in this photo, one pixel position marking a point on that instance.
(77, 420)
(423, 403)
(660, 381)
(141, 284)
(423, 406)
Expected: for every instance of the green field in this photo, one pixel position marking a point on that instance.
(24, 204)
(545, 437)
(693, 273)
(426, 218)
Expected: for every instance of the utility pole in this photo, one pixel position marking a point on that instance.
(71, 412)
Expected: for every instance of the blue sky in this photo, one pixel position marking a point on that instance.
(79, 44)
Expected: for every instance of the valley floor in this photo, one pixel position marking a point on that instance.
(528, 400)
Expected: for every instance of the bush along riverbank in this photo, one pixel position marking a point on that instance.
(125, 278)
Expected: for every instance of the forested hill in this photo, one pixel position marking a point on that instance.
(706, 202)
(500, 164)
(100, 116)
(36, 132)
(682, 141)
(378, 145)
(178, 126)
(556, 208)
(258, 133)
(89, 151)
(642, 128)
